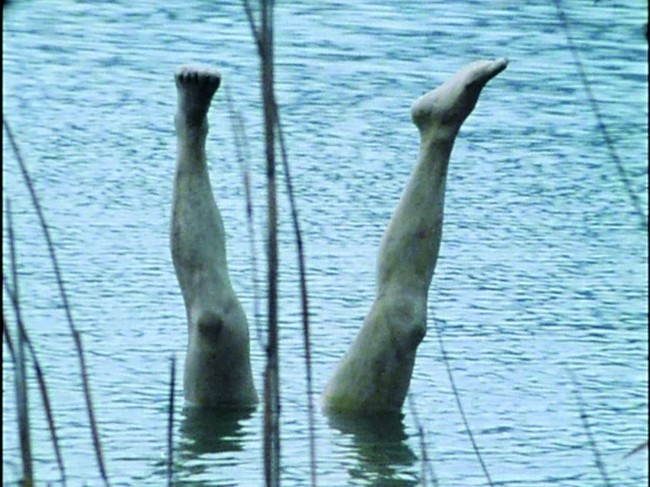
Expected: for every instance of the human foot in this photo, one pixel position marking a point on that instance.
(196, 86)
(447, 106)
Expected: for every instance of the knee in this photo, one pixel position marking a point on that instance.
(209, 326)
(416, 333)
(407, 321)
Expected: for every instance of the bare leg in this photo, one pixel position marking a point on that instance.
(217, 367)
(375, 373)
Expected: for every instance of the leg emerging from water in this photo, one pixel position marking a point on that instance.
(217, 366)
(375, 373)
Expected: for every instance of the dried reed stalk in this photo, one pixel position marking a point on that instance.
(170, 423)
(22, 396)
(66, 306)
(427, 467)
(241, 152)
(264, 41)
(304, 301)
(40, 376)
(590, 437)
(454, 389)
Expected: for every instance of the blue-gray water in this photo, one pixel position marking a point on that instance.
(543, 265)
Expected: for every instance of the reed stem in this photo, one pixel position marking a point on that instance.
(304, 301)
(264, 41)
(66, 306)
(241, 152)
(170, 423)
(590, 437)
(22, 395)
(427, 467)
(460, 404)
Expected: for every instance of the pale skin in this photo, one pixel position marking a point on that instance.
(375, 373)
(217, 367)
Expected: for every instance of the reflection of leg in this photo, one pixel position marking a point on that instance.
(376, 371)
(382, 455)
(210, 431)
(217, 367)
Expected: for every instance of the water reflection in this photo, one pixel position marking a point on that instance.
(379, 441)
(209, 438)
(211, 431)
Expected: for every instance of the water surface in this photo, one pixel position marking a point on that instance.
(543, 265)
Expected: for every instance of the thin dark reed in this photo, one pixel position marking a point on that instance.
(241, 153)
(609, 142)
(272, 372)
(170, 423)
(454, 389)
(22, 396)
(585, 424)
(40, 378)
(304, 299)
(8, 340)
(427, 467)
(66, 306)
(13, 259)
(22, 406)
(264, 40)
(253, 25)
(637, 449)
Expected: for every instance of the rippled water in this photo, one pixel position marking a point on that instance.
(543, 265)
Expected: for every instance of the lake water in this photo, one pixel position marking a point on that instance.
(543, 265)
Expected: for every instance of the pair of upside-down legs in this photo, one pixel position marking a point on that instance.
(375, 373)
